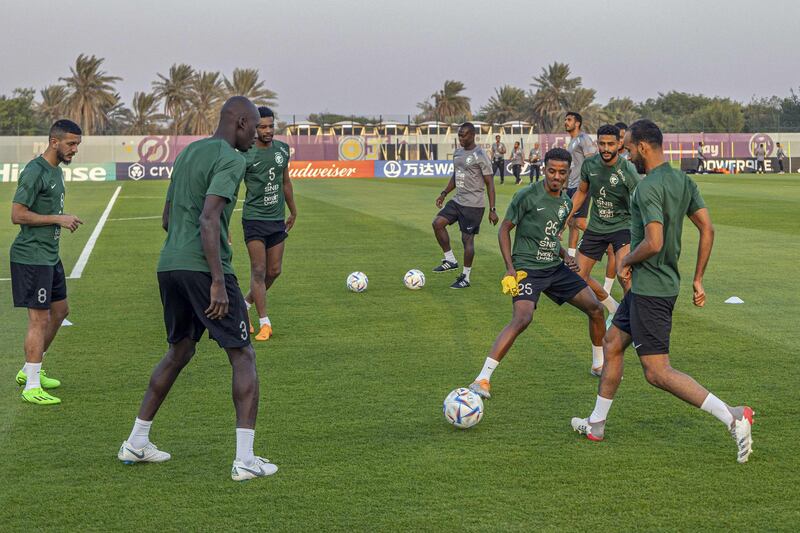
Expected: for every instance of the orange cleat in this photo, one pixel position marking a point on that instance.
(481, 388)
(265, 333)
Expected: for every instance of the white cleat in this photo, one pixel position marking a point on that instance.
(596, 372)
(742, 433)
(260, 468)
(149, 454)
(593, 431)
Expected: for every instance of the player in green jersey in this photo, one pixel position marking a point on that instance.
(198, 287)
(537, 263)
(658, 207)
(608, 180)
(38, 282)
(269, 191)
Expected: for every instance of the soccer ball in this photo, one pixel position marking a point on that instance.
(463, 408)
(414, 279)
(357, 282)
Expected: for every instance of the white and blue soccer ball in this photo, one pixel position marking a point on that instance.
(357, 282)
(463, 408)
(414, 279)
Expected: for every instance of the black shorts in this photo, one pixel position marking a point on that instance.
(583, 210)
(185, 297)
(648, 320)
(270, 232)
(559, 283)
(594, 245)
(469, 218)
(36, 286)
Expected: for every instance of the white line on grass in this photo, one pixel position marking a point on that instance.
(133, 218)
(87, 250)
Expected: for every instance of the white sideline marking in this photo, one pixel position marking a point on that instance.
(87, 250)
(133, 218)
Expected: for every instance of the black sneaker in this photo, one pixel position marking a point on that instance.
(460, 283)
(445, 266)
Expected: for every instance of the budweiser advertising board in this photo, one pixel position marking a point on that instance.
(331, 169)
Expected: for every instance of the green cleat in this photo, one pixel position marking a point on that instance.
(39, 397)
(47, 383)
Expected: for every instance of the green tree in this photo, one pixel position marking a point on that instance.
(144, 118)
(620, 110)
(17, 114)
(175, 91)
(553, 88)
(763, 114)
(245, 82)
(52, 105)
(447, 105)
(720, 116)
(508, 103)
(90, 93)
(205, 102)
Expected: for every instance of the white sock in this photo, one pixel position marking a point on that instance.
(467, 270)
(597, 356)
(248, 304)
(571, 252)
(264, 321)
(611, 304)
(450, 256)
(608, 285)
(244, 445)
(718, 408)
(140, 434)
(32, 373)
(488, 368)
(601, 407)
(26, 363)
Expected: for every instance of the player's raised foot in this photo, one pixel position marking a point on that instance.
(742, 431)
(593, 431)
(446, 265)
(39, 397)
(481, 387)
(47, 383)
(609, 320)
(260, 468)
(264, 333)
(149, 454)
(460, 282)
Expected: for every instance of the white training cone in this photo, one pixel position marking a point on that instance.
(734, 300)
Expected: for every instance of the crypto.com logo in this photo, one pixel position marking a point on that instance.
(136, 171)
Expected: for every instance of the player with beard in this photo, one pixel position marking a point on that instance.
(608, 180)
(38, 282)
(266, 227)
(658, 207)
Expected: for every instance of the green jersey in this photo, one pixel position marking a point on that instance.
(665, 195)
(205, 167)
(610, 190)
(264, 181)
(538, 218)
(41, 189)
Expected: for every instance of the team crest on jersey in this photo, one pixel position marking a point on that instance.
(613, 179)
(562, 212)
(279, 158)
(469, 159)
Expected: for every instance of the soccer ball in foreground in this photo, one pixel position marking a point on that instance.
(463, 408)
(414, 279)
(357, 282)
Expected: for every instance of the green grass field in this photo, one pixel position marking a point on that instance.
(352, 384)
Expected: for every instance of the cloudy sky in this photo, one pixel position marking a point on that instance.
(382, 57)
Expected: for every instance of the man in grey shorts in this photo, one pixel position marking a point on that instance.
(761, 154)
(472, 178)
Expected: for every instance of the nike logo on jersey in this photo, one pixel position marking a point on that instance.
(539, 208)
(593, 173)
(53, 186)
(637, 345)
(256, 164)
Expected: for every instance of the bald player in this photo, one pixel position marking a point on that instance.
(199, 290)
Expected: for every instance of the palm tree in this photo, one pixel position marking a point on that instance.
(245, 83)
(581, 100)
(205, 102)
(508, 103)
(553, 87)
(449, 104)
(620, 110)
(90, 93)
(116, 116)
(144, 118)
(52, 105)
(175, 89)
